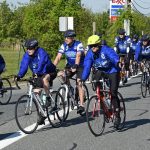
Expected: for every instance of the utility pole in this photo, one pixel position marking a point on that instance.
(127, 21)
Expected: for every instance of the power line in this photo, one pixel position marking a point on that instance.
(140, 5)
(139, 11)
(144, 2)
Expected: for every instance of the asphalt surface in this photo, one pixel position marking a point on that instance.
(75, 135)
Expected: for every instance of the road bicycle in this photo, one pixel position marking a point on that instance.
(145, 79)
(31, 105)
(100, 110)
(71, 93)
(5, 91)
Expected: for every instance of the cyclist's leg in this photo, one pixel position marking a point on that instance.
(114, 84)
(81, 108)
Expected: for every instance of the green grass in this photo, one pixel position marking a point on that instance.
(13, 59)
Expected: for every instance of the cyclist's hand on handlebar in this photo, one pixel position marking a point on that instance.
(74, 68)
(34, 75)
(16, 78)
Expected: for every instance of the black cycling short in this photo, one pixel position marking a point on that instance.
(78, 72)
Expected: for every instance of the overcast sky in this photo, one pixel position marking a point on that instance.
(102, 5)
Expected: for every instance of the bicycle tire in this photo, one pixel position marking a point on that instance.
(100, 115)
(28, 129)
(56, 118)
(62, 91)
(17, 85)
(122, 111)
(144, 85)
(4, 95)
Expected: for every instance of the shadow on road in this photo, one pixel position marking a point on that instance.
(130, 99)
(130, 84)
(9, 135)
(135, 123)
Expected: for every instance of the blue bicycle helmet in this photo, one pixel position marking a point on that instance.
(70, 33)
(31, 43)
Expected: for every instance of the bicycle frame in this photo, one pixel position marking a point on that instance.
(102, 98)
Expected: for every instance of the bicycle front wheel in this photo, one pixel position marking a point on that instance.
(26, 114)
(62, 91)
(95, 116)
(144, 84)
(56, 112)
(122, 111)
(5, 91)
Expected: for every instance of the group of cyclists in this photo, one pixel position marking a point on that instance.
(101, 57)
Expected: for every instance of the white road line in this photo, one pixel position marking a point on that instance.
(19, 134)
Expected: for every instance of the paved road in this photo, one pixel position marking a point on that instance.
(74, 135)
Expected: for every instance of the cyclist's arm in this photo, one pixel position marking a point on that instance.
(114, 58)
(80, 51)
(24, 66)
(137, 52)
(88, 62)
(59, 55)
(57, 59)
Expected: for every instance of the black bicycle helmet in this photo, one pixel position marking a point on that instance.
(31, 43)
(121, 31)
(135, 36)
(145, 37)
(70, 33)
(103, 42)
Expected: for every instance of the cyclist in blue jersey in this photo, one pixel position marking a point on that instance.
(143, 50)
(74, 53)
(38, 60)
(122, 47)
(2, 68)
(105, 61)
(2, 64)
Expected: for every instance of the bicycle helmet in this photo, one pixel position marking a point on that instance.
(145, 37)
(103, 42)
(121, 31)
(31, 43)
(94, 39)
(70, 33)
(135, 36)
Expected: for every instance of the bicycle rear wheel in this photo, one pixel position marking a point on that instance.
(26, 114)
(5, 91)
(122, 112)
(144, 84)
(95, 116)
(56, 112)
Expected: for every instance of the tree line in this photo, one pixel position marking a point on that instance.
(40, 19)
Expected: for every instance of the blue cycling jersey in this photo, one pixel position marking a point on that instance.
(105, 59)
(122, 44)
(2, 64)
(142, 52)
(133, 46)
(71, 51)
(40, 63)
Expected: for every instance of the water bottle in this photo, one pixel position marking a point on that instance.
(107, 103)
(44, 98)
(71, 90)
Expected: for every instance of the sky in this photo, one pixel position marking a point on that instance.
(102, 5)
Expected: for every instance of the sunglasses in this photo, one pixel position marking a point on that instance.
(94, 46)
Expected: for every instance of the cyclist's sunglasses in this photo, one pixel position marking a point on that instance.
(30, 48)
(94, 45)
